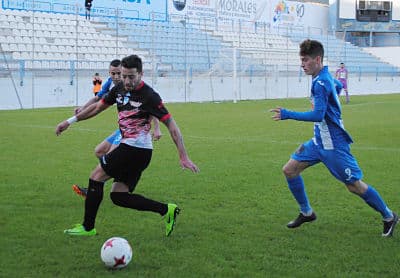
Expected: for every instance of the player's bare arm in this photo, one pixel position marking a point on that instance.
(176, 135)
(87, 104)
(157, 131)
(89, 112)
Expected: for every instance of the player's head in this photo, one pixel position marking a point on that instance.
(312, 56)
(115, 70)
(131, 71)
(342, 65)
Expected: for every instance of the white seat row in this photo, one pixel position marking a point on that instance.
(61, 43)
(29, 36)
(24, 13)
(42, 20)
(19, 26)
(10, 18)
(61, 34)
(51, 65)
(26, 53)
(62, 49)
(23, 55)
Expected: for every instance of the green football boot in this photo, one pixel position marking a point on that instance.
(79, 230)
(170, 218)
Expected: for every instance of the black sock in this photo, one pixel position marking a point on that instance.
(92, 203)
(138, 202)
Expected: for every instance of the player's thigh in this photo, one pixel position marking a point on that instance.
(107, 145)
(119, 187)
(307, 152)
(293, 168)
(112, 147)
(305, 156)
(102, 148)
(342, 165)
(98, 174)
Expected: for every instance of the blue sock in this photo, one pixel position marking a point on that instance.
(374, 200)
(296, 186)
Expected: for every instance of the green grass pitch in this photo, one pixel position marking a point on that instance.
(234, 212)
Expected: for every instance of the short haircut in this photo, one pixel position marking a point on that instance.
(115, 63)
(132, 61)
(312, 48)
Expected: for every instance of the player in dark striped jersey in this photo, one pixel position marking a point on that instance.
(113, 140)
(136, 103)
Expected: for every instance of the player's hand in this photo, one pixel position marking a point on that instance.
(157, 134)
(77, 110)
(277, 116)
(186, 163)
(61, 127)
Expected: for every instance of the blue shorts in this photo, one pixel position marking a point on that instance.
(340, 162)
(114, 138)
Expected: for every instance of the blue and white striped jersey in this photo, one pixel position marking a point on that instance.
(106, 88)
(329, 131)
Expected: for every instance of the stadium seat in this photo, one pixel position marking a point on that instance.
(45, 64)
(5, 47)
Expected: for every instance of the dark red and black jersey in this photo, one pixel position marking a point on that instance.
(135, 109)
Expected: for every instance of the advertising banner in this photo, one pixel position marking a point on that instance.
(134, 9)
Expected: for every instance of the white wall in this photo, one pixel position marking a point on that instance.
(396, 10)
(56, 92)
(347, 9)
(386, 54)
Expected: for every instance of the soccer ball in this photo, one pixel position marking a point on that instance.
(116, 252)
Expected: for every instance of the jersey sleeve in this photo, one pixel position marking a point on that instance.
(338, 86)
(105, 88)
(320, 106)
(110, 97)
(157, 108)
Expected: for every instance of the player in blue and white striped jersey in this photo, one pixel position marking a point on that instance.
(330, 144)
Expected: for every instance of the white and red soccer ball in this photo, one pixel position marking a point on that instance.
(116, 253)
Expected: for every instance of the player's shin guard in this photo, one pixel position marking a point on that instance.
(138, 202)
(92, 203)
(374, 200)
(296, 186)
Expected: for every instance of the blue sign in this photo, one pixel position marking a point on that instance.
(130, 9)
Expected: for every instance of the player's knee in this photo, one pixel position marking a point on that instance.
(351, 188)
(98, 174)
(288, 171)
(118, 198)
(98, 152)
(357, 187)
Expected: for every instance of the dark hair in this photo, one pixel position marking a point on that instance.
(132, 61)
(312, 48)
(115, 63)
